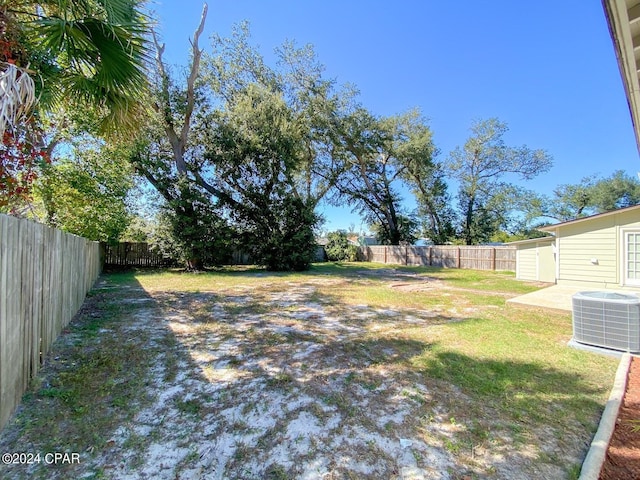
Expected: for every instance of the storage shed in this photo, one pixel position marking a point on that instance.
(535, 259)
(600, 251)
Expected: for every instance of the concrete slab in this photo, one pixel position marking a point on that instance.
(557, 297)
(594, 349)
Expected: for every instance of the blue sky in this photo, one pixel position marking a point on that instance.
(546, 68)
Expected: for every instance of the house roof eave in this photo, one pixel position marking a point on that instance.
(553, 228)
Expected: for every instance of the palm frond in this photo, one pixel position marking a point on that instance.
(17, 95)
(102, 54)
(119, 11)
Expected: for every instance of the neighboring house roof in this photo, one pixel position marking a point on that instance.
(623, 17)
(423, 242)
(367, 241)
(553, 228)
(533, 240)
(353, 239)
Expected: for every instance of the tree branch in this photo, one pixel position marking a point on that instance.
(216, 192)
(165, 110)
(193, 75)
(179, 143)
(157, 185)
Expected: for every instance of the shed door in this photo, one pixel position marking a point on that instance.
(546, 263)
(632, 257)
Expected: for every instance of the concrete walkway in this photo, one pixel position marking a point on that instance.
(557, 297)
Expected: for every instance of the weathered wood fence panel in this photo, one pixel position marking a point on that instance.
(377, 254)
(506, 258)
(141, 254)
(133, 254)
(44, 277)
(470, 257)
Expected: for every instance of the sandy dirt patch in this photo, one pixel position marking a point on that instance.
(272, 382)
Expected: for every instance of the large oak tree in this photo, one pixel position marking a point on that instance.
(482, 166)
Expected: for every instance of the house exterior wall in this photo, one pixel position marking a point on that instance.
(590, 252)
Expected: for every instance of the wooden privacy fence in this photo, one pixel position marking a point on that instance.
(44, 277)
(128, 254)
(131, 254)
(141, 254)
(471, 257)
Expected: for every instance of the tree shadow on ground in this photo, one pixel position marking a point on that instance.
(94, 381)
(533, 408)
(335, 269)
(257, 374)
(525, 389)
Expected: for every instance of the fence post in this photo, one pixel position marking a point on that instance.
(458, 259)
(385, 254)
(406, 255)
(493, 258)
(430, 255)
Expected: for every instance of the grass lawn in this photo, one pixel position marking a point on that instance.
(346, 371)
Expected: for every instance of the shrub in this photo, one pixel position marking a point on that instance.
(190, 229)
(339, 249)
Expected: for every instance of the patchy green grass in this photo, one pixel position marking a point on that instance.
(93, 381)
(515, 360)
(473, 372)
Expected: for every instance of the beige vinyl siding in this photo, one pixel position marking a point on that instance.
(582, 242)
(598, 239)
(526, 262)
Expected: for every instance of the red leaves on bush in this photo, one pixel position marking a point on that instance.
(20, 155)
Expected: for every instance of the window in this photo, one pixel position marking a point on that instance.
(632, 258)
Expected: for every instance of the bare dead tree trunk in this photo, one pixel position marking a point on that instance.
(178, 140)
(178, 136)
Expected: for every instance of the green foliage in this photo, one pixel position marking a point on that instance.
(138, 230)
(288, 243)
(161, 237)
(425, 177)
(86, 53)
(85, 191)
(256, 152)
(379, 155)
(590, 196)
(246, 145)
(338, 248)
(197, 232)
(406, 230)
(617, 191)
(80, 54)
(235, 69)
(524, 234)
(197, 240)
(480, 222)
(485, 199)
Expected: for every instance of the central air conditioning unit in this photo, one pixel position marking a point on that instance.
(607, 319)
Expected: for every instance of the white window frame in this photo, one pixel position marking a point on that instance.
(635, 282)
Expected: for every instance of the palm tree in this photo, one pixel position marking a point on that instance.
(85, 52)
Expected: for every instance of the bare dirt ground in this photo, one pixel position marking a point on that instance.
(297, 390)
